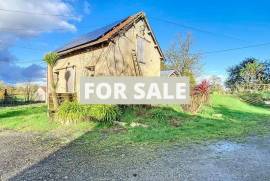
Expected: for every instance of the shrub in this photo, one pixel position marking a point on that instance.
(199, 97)
(255, 98)
(70, 112)
(265, 96)
(73, 112)
(159, 114)
(104, 113)
(203, 89)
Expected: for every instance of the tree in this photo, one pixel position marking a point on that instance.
(29, 91)
(252, 72)
(2, 88)
(240, 74)
(179, 58)
(266, 70)
(216, 84)
(51, 59)
(1, 84)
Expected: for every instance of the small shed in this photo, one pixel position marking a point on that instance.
(168, 73)
(41, 94)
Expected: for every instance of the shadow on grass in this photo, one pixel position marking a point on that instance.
(18, 103)
(13, 113)
(21, 112)
(240, 115)
(88, 158)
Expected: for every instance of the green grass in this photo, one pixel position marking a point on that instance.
(266, 95)
(33, 118)
(225, 117)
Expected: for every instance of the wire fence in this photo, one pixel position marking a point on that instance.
(16, 100)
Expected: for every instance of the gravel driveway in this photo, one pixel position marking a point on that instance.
(25, 157)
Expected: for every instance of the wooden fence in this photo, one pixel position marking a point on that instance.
(256, 87)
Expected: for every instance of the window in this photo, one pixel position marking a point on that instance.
(70, 79)
(140, 49)
(90, 71)
(56, 77)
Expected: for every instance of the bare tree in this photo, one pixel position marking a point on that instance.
(29, 91)
(2, 88)
(216, 84)
(1, 85)
(180, 58)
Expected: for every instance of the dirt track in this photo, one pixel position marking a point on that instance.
(30, 157)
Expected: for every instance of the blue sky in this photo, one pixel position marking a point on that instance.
(247, 21)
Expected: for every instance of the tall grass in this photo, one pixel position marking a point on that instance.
(73, 112)
(70, 112)
(103, 113)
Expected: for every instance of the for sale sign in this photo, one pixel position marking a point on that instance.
(134, 90)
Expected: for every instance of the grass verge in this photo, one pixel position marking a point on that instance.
(225, 117)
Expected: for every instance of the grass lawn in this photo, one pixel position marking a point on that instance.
(33, 118)
(225, 117)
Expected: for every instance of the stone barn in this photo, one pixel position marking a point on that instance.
(124, 48)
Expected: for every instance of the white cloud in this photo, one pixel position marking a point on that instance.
(38, 20)
(22, 25)
(23, 19)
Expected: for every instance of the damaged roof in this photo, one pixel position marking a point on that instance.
(103, 34)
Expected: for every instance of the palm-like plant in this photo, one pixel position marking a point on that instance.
(252, 73)
(51, 59)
